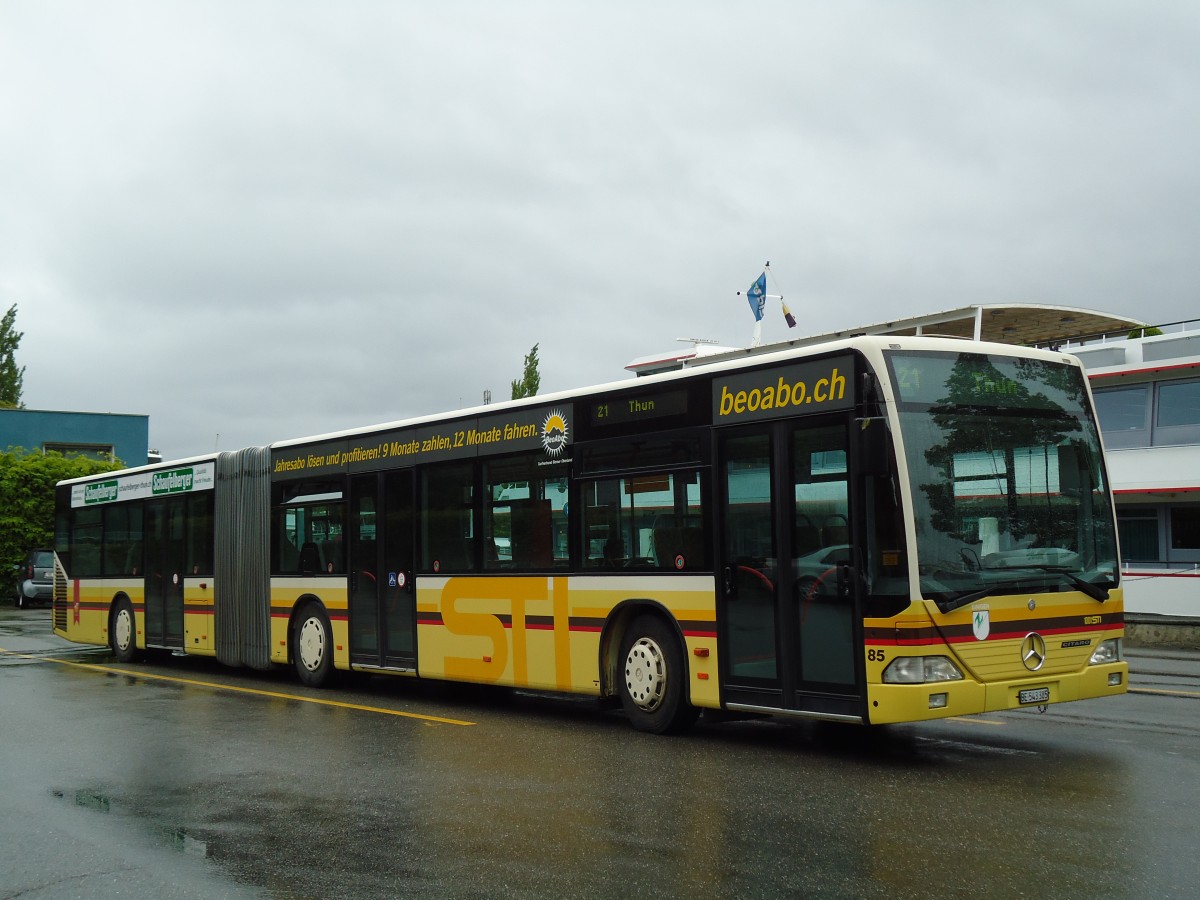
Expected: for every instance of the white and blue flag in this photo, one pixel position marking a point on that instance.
(757, 295)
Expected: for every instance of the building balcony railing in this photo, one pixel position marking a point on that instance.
(1106, 337)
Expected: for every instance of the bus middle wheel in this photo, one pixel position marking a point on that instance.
(312, 646)
(653, 678)
(122, 636)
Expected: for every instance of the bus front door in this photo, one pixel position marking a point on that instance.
(163, 591)
(789, 622)
(381, 590)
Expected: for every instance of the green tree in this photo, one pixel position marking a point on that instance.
(27, 483)
(530, 380)
(11, 377)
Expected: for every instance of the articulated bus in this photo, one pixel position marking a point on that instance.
(875, 530)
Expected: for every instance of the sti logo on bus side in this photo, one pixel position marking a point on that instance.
(807, 387)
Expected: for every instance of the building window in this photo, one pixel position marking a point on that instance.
(1138, 529)
(1122, 409)
(1185, 528)
(1124, 415)
(1179, 403)
(91, 451)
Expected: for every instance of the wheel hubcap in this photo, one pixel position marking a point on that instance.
(646, 674)
(312, 644)
(123, 629)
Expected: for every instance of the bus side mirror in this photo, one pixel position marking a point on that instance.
(872, 438)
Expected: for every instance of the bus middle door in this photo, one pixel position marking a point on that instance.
(165, 552)
(382, 595)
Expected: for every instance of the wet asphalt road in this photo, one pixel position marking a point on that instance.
(188, 779)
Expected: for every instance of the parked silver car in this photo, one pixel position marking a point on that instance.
(816, 573)
(35, 578)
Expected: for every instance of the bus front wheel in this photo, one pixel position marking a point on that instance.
(653, 678)
(312, 646)
(122, 634)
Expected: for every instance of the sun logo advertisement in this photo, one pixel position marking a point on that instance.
(555, 433)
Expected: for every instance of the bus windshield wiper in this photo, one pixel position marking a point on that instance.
(1095, 591)
(951, 603)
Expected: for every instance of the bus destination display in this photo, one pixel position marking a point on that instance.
(622, 409)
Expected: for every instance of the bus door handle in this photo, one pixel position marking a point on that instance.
(730, 584)
(845, 578)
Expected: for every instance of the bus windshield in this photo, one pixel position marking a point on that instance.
(1007, 478)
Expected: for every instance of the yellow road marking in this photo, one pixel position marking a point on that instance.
(212, 685)
(1162, 691)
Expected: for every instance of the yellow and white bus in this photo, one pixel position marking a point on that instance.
(874, 530)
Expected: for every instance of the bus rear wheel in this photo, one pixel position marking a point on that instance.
(653, 678)
(312, 646)
(122, 634)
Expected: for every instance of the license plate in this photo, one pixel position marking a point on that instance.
(1034, 695)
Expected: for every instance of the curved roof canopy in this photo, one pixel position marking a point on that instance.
(1026, 324)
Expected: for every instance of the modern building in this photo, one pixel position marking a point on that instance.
(100, 435)
(1147, 390)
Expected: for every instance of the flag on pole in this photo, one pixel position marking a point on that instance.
(757, 296)
(787, 314)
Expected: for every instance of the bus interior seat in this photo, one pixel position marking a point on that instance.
(614, 551)
(531, 533)
(676, 535)
(835, 530)
(310, 559)
(133, 557)
(807, 537)
(666, 543)
(691, 541)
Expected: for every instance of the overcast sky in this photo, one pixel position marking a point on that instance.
(263, 220)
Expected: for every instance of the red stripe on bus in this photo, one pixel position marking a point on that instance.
(929, 640)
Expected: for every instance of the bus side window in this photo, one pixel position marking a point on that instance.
(645, 521)
(122, 539)
(288, 529)
(87, 538)
(200, 534)
(606, 538)
(525, 515)
(309, 537)
(448, 518)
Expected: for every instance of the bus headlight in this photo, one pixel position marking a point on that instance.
(1107, 652)
(920, 670)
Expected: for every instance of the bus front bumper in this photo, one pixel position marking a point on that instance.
(891, 703)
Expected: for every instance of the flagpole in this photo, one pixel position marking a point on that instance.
(757, 296)
(787, 313)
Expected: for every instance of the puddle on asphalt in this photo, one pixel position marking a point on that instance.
(176, 839)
